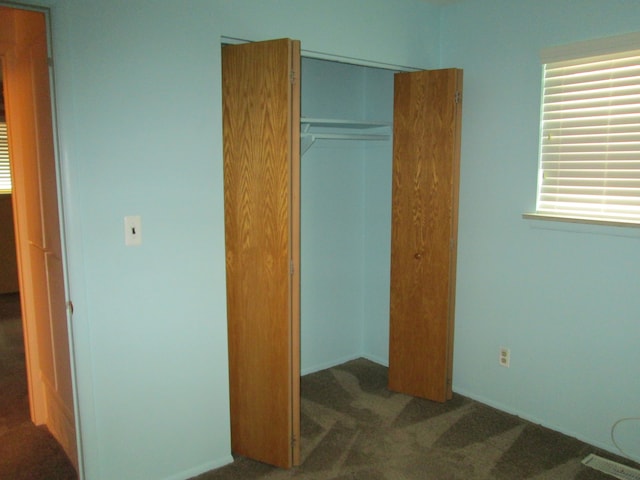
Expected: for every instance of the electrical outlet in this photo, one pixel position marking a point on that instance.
(505, 357)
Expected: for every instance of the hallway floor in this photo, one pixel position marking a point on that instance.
(26, 451)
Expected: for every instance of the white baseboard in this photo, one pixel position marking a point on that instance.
(199, 470)
(379, 360)
(530, 418)
(333, 363)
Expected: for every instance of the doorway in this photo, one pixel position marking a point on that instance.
(39, 248)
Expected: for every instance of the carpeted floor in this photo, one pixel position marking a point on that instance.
(353, 428)
(27, 452)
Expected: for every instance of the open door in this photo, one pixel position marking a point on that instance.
(36, 211)
(426, 157)
(261, 129)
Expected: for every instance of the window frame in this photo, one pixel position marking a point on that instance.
(577, 51)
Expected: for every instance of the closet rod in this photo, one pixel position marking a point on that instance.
(308, 139)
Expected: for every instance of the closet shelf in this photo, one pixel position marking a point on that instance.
(351, 124)
(313, 129)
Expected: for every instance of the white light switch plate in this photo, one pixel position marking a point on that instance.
(132, 230)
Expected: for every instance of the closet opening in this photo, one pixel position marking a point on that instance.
(340, 210)
(346, 122)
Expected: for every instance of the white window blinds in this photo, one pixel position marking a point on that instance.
(590, 138)
(5, 172)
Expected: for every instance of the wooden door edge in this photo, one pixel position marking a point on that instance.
(455, 201)
(295, 251)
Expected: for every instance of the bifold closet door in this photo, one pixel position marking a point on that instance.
(261, 124)
(426, 153)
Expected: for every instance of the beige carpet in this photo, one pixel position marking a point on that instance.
(354, 428)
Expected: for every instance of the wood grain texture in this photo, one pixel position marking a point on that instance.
(260, 191)
(424, 232)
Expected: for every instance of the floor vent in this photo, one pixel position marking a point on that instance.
(612, 468)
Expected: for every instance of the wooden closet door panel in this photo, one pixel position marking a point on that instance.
(261, 193)
(424, 231)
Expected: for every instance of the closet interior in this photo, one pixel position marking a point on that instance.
(346, 156)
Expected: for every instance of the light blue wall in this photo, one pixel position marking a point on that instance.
(564, 299)
(377, 208)
(138, 97)
(400, 32)
(139, 121)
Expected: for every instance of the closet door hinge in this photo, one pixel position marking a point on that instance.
(458, 97)
(294, 440)
(291, 268)
(292, 77)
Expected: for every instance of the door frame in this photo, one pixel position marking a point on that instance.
(331, 57)
(37, 400)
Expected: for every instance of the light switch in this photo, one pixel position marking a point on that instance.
(132, 230)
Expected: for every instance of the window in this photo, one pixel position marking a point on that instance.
(590, 132)
(5, 172)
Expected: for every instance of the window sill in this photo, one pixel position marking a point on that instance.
(583, 225)
(589, 221)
